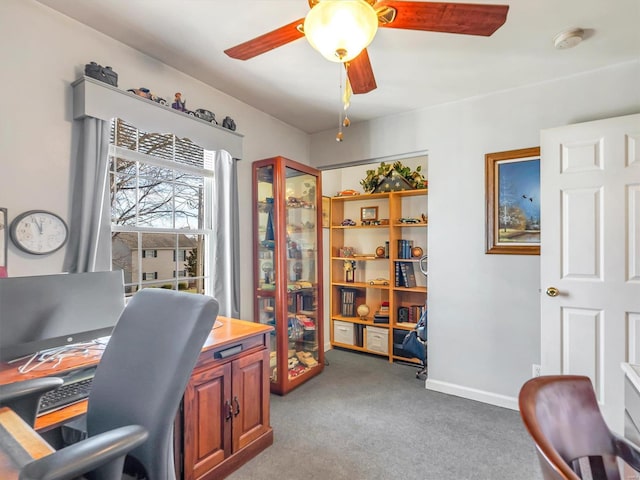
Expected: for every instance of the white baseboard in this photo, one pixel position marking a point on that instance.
(472, 394)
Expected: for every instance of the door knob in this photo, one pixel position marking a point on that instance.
(553, 292)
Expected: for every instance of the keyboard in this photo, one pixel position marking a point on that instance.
(76, 387)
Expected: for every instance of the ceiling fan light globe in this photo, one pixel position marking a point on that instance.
(340, 29)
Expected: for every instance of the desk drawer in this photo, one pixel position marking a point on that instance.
(230, 350)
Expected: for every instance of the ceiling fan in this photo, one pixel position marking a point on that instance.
(368, 15)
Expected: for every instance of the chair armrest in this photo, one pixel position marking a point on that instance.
(627, 451)
(87, 455)
(24, 397)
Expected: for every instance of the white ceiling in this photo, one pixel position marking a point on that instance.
(413, 69)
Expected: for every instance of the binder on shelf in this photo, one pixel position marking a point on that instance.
(348, 302)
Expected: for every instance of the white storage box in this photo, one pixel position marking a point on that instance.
(343, 332)
(378, 339)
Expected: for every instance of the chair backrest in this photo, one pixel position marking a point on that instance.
(561, 414)
(145, 369)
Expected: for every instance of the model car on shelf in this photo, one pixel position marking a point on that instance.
(347, 193)
(408, 220)
(206, 115)
(347, 222)
(379, 281)
(146, 93)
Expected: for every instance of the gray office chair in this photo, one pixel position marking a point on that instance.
(143, 374)
(24, 397)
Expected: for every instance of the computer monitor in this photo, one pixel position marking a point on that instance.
(47, 311)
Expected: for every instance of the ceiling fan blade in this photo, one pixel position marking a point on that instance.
(361, 74)
(466, 18)
(268, 41)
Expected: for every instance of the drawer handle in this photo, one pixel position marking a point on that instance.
(228, 352)
(237, 412)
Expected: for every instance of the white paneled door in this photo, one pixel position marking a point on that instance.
(590, 255)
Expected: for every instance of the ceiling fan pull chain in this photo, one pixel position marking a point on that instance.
(346, 100)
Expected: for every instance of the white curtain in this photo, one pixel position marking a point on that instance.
(225, 254)
(89, 247)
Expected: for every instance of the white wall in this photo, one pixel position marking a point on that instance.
(484, 315)
(48, 52)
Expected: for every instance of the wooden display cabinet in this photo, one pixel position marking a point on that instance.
(287, 252)
(374, 233)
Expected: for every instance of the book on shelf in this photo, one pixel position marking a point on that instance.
(404, 248)
(405, 274)
(358, 335)
(415, 312)
(381, 317)
(411, 274)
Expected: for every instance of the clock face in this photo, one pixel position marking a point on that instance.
(39, 232)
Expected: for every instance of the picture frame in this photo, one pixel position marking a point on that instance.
(368, 214)
(326, 212)
(512, 189)
(4, 241)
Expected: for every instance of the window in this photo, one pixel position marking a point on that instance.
(161, 191)
(181, 256)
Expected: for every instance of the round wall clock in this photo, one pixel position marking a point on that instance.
(39, 232)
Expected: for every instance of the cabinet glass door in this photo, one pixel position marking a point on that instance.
(266, 243)
(302, 270)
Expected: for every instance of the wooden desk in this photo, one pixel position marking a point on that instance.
(232, 367)
(19, 444)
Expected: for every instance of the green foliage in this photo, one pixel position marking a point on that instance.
(183, 286)
(167, 286)
(191, 264)
(376, 176)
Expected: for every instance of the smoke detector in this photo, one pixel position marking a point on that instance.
(568, 38)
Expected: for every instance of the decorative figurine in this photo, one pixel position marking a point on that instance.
(206, 115)
(146, 93)
(229, 123)
(178, 103)
(104, 74)
(349, 270)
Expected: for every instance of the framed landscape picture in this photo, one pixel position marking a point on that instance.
(512, 181)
